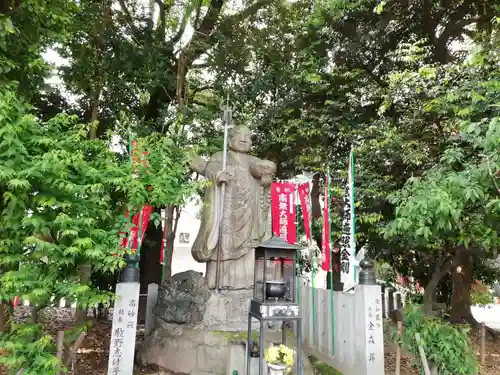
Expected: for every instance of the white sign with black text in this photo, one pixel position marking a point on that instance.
(123, 334)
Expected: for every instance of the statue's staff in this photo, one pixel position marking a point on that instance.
(227, 119)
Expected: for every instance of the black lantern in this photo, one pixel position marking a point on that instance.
(274, 296)
(274, 279)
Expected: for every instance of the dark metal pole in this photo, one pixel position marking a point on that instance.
(261, 348)
(299, 347)
(130, 273)
(249, 342)
(367, 273)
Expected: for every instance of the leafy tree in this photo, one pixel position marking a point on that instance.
(63, 199)
(450, 212)
(27, 29)
(122, 51)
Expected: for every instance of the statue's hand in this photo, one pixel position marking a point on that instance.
(197, 164)
(266, 180)
(223, 177)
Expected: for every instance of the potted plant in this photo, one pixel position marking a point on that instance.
(279, 359)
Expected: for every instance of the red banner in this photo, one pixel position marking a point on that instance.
(164, 236)
(283, 211)
(326, 262)
(305, 204)
(133, 235)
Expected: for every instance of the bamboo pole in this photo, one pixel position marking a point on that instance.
(423, 358)
(60, 350)
(74, 349)
(482, 350)
(398, 348)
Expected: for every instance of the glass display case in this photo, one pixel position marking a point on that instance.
(275, 276)
(274, 297)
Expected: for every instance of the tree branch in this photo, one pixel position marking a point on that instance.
(247, 12)
(182, 28)
(162, 20)
(204, 35)
(201, 88)
(197, 17)
(128, 17)
(454, 28)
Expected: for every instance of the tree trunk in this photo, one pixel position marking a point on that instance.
(85, 274)
(85, 271)
(150, 257)
(315, 204)
(430, 290)
(461, 293)
(338, 286)
(174, 213)
(4, 317)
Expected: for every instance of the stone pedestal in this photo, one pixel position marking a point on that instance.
(202, 347)
(194, 328)
(199, 332)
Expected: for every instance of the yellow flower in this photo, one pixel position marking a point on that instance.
(280, 355)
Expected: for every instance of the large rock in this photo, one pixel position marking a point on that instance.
(183, 349)
(174, 349)
(206, 326)
(182, 298)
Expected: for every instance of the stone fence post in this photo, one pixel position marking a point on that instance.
(125, 311)
(150, 304)
(369, 343)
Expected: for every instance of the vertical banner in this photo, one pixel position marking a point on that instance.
(164, 237)
(347, 239)
(133, 237)
(140, 223)
(305, 204)
(326, 261)
(283, 211)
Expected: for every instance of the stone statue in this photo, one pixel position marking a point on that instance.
(243, 222)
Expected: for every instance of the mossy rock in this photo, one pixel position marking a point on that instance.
(322, 368)
(237, 336)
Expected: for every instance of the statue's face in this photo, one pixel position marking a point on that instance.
(241, 139)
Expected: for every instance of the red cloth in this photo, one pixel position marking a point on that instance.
(283, 211)
(326, 262)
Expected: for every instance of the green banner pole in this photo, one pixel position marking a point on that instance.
(313, 265)
(164, 239)
(353, 207)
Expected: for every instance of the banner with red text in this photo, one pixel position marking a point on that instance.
(133, 236)
(283, 211)
(348, 272)
(326, 262)
(305, 204)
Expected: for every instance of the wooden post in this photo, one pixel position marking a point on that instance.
(398, 348)
(423, 358)
(482, 350)
(60, 350)
(70, 360)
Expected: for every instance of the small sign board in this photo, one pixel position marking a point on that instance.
(123, 334)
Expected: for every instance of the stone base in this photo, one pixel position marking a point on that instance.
(202, 348)
(213, 346)
(179, 349)
(174, 349)
(227, 311)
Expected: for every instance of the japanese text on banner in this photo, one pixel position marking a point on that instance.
(325, 242)
(283, 211)
(305, 204)
(347, 239)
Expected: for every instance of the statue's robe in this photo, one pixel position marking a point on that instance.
(243, 222)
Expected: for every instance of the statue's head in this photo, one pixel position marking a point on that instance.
(240, 139)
